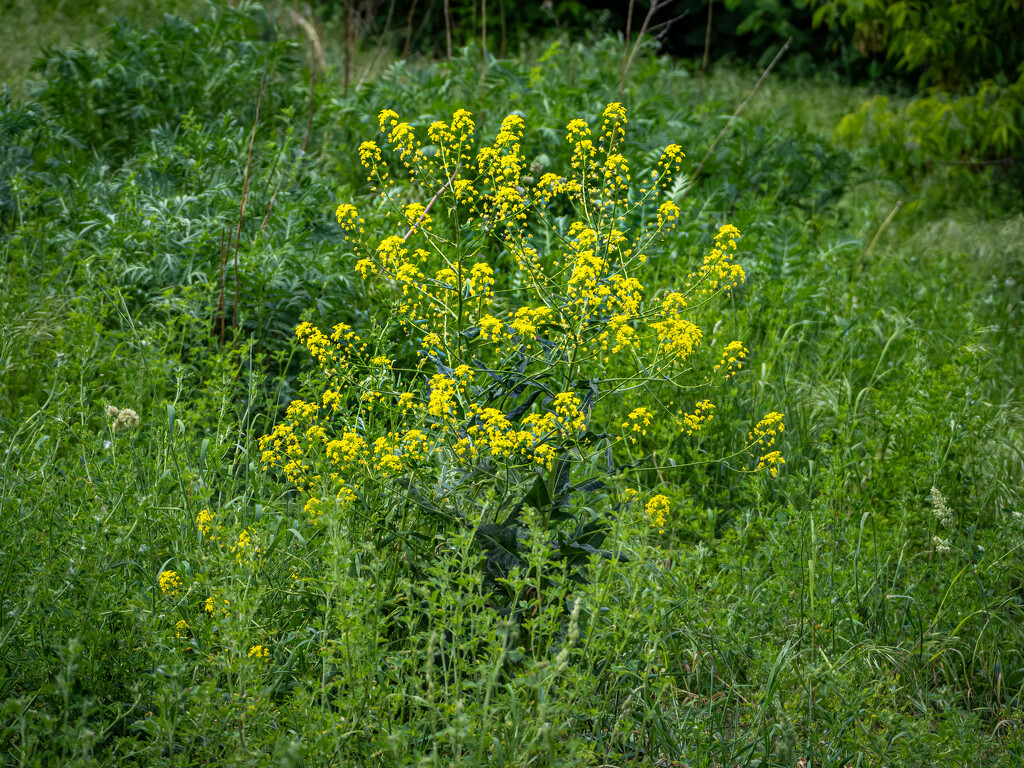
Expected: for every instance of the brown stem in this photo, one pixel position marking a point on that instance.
(483, 41)
(448, 27)
(655, 5)
(246, 181)
(881, 229)
(408, 34)
(379, 48)
(504, 31)
(625, 49)
(309, 114)
(707, 50)
(735, 114)
(220, 299)
(349, 23)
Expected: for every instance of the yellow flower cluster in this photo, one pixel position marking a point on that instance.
(479, 304)
(204, 522)
(719, 273)
(731, 360)
(657, 511)
(693, 422)
(636, 423)
(170, 583)
(245, 548)
(764, 435)
(678, 336)
(259, 653)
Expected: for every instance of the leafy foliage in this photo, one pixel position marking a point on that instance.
(950, 44)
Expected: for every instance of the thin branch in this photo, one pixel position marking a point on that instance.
(379, 48)
(349, 24)
(625, 48)
(707, 51)
(247, 180)
(434, 199)
(448, 27)
(408, 34)
(309, 115)
(736, 114)
(483, 41)
(655, 7)
(881, 229)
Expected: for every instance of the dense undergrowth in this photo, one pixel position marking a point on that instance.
(168, 219)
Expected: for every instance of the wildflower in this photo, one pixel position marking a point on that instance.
(112, 411)
(245, 546)
(481, 280)
(462, 124)
(567, 409)
(416, 215)
(767, 429)
(669, 165)
(259, 652)
(636, 423)
(203, 521)
(126, 419)
(441, 404)
(181, 629)
(770, 461)
(731, 361)
(668, 215)
(369, 155)
(692, 422)
(941, 545)
(314, 508)
(657, 510)
(169, 583)
(347, 215)
(941, 509)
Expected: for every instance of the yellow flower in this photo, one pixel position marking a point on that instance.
(636, 423)
(441, 404)
(169, 583)
(259, 652)
(181, 629)
(668, 215)
(692, 422)
(657, 510)
(567, 408)
(203, 521)
(416, 215)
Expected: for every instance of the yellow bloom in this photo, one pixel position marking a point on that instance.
(657, 510)
(203, 521)
(636, 423)
(169, 583)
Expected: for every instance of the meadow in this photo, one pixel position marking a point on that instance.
(484, 415)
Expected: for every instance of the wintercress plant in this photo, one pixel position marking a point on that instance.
(524, 357)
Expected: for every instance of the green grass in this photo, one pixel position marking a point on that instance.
(828, 615)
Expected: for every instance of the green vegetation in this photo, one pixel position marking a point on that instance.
(323, 452)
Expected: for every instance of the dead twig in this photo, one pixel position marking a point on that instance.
(728, 125)
(627, 61)
(707, 51)
(246, 182)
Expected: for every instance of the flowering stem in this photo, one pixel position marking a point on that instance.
(433, 200)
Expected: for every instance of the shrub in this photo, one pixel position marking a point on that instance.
(521, 358)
